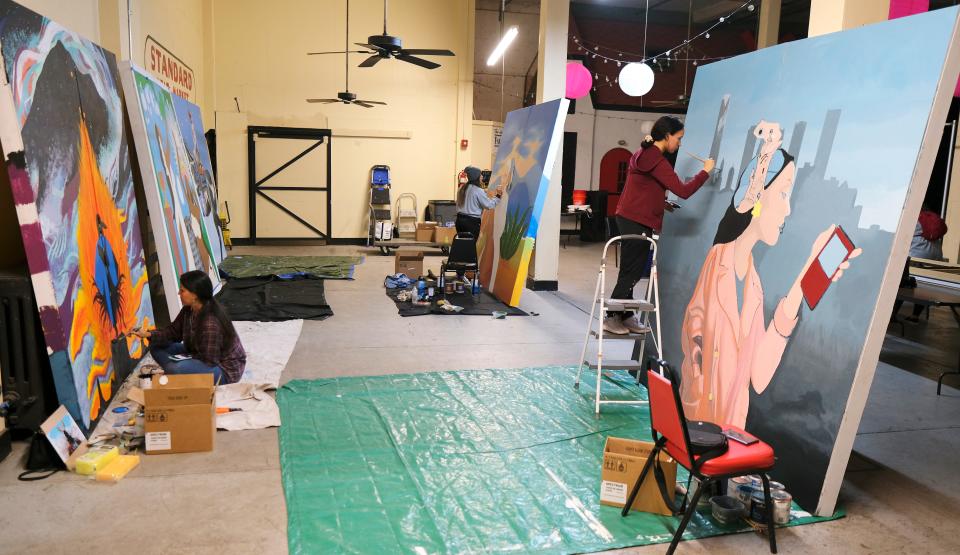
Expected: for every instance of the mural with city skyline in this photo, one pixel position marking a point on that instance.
(807, 135)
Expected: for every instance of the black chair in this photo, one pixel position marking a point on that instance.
(463, 256)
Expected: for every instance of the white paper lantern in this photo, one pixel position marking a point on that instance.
(636, 79)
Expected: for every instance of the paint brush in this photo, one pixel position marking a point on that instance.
(695, 157)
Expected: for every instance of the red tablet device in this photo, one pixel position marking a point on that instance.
(821, 271)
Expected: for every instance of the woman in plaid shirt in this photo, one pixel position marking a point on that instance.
(202, 339)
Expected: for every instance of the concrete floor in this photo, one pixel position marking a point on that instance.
(900, 491)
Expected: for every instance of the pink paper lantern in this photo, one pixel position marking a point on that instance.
(579, 80)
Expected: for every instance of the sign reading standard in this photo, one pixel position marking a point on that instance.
(169, 69)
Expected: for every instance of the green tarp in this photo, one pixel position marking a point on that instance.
(326, 267)
(462, 462)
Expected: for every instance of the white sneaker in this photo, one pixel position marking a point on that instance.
(633, 325)
(613, 324)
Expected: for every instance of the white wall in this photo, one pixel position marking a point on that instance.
(482, 151)
(260, 51)
(599, 131)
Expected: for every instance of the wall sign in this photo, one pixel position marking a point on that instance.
(169, 70)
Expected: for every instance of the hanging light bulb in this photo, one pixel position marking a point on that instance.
(637, 79)
(750, 8)
(707, 35)
(721, 19)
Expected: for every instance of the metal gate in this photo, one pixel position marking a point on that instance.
(259, 187)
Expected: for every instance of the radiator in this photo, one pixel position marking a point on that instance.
(24, 364)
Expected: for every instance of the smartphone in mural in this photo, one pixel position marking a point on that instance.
(821, 271)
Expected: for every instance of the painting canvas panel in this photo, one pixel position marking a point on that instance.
(64, 435)
(66, 153)
(525, 157)
(176, 214)
(198, 156)
(771, 276)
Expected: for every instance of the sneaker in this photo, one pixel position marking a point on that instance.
(633, 325)
(613, 324)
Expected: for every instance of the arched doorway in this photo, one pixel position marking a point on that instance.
(613, 175)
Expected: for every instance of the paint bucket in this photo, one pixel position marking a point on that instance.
(781, 506)
(744, 493)
(734, 483)
(775, 486)
(726, 509)
(579, 196)
(758, 507)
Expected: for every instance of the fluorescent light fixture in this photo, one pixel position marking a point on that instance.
(502, 47)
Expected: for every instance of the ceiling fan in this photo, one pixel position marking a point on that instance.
(681, 101)
(385, 46)
(346, 97)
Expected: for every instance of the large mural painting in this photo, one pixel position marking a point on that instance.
(62, 130)
(771, 276)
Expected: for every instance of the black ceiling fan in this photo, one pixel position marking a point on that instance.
(385, 46)
(346, 97)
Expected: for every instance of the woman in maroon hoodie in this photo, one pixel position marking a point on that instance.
(641, 206)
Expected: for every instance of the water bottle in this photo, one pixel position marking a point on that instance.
(476, 284)
(421, 288)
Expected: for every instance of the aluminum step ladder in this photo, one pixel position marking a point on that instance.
(647, 310)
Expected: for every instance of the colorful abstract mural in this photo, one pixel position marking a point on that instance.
(528, 148)
(195, 146)
(62, 130)
(176, 212)
(777, 278)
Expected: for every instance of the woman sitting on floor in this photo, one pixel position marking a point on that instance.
(202, 339)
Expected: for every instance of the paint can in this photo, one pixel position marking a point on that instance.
(775, 486)
(758, 507)
(744, 493)
(781, 506)
(734, 483)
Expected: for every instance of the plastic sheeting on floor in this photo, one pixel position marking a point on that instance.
(268, 346)
(325, 267)
(272, 299)
(461, 462)
(483, 305)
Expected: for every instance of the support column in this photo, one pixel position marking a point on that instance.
(769, 33)
(551, 82)
(830, 16)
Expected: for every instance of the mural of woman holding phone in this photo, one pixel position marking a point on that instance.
(728, 344)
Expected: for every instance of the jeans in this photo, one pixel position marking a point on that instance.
(634, 260)
(188, 366)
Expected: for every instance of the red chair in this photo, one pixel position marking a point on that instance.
(670, 434)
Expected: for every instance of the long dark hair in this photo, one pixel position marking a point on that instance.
(473, 178)
(734, 223)
(198, 283)
(667, 125)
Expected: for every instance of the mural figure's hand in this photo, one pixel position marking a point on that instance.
(709, 164)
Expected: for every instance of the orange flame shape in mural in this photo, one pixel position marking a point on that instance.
(107, 302)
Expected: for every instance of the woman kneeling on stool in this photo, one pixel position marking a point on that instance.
(202, 339)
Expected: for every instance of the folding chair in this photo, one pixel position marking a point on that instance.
(463, 256)
(670, 433)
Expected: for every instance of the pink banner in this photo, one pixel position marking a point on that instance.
(903, 8)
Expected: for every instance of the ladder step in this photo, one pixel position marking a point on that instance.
(614, 364)
(619, 305)
(631, 336)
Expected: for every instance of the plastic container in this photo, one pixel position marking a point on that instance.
(726, 509)
(118, 468)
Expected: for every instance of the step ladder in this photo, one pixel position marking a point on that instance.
(647, 310)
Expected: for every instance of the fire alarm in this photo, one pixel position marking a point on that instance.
(464, 143)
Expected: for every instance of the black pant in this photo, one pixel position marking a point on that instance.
(468, 224)
(634, 259)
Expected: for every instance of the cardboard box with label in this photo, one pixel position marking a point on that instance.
(425, 231)
(179, 414)
(444, 235)
(623, 459)
(409, 262)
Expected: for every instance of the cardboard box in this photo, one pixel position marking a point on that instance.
(179, 414)
(425, 231)
(623, 459)
(444, 235)
(409, 262)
